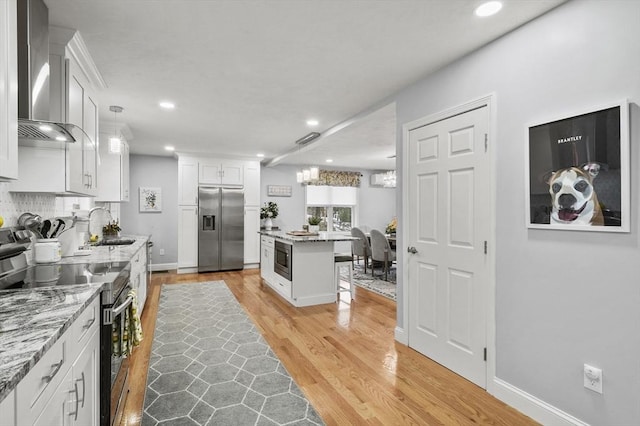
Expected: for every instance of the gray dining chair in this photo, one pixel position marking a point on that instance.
(381, 251)
(360, 247)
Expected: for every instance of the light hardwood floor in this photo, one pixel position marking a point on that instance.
(344, 358)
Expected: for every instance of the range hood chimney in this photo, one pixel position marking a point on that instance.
(33, 78)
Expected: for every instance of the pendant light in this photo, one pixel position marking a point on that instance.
(115, 143)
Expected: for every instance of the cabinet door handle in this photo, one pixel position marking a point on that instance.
(89, 324)
(75, 413)
(84, 388)
(56, 368)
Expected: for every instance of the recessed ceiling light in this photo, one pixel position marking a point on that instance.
(312, 122)
(329, 160)
(260, 155)
(169, 148)
(489, 8)
(167, 105)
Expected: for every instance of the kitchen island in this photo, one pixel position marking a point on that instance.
(300, 268)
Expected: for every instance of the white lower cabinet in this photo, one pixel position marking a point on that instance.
(139, 276)
(85, 385)
(187, 236)
(63, 387)
(55, 411)
(266, 259)
(8, 408)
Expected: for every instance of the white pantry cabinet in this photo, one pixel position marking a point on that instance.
(70, 393)
(251, 235)
(187, 236)
(220, 172)
(8, 91)
(187, 181)
(113, 173)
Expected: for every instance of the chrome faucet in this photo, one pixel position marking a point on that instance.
(93, 210)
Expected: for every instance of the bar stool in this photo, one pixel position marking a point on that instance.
(343, 260)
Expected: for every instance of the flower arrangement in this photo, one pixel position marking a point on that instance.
(269, 210)
(111, 228)
(392, 226)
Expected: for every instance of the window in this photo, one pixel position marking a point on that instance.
(334, 205)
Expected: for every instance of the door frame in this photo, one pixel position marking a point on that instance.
(403, 335)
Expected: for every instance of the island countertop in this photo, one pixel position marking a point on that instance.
(321, 237)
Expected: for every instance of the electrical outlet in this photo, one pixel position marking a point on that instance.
(161, 252)
(593, 378)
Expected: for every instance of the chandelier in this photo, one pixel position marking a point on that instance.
(307, 175)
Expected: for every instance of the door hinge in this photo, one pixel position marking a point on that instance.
(486, 142)
(485, 247)
(485, 354)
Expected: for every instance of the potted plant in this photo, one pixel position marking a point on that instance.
(314, 223)
(111, 230)
(269, 212)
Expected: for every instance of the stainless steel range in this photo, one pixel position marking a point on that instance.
(15, 273)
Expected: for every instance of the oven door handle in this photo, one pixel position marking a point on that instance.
(117, 311)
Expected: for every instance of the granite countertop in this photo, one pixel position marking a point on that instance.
(32, 320)
(321, 237)
(118, 253)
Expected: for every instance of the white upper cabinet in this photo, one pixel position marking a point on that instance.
(221, 172)
(113, 173)
(72, 168)
(82, 110)
(8, 91)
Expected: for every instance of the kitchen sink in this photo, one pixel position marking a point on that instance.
(116, 242)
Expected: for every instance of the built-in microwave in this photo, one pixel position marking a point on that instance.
(283, 260)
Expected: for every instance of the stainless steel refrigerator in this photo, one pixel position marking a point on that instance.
(220, 229)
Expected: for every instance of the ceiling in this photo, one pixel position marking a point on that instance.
(245, 75)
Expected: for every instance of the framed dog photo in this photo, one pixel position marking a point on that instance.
(577, 171)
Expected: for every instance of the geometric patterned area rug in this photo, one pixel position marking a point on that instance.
(377, 284)
(210, 365)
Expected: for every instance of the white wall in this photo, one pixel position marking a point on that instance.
(562, 298)
(154, 171)
(376, 206)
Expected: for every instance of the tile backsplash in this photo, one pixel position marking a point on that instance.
(13, 204)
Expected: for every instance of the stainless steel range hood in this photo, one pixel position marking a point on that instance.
(33, 79)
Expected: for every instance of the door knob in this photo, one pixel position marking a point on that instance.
(412, 250)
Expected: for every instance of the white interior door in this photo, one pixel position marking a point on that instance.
(449, 217)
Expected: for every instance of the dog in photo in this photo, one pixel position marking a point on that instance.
(573, 198)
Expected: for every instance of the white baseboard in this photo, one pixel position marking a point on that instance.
(187, 270)
(163, 266)
(533, 407)
(401, 336)
(251, 265)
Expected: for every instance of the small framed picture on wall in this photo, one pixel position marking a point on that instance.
(150, 199)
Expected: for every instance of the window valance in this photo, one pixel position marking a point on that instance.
(337, 178)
